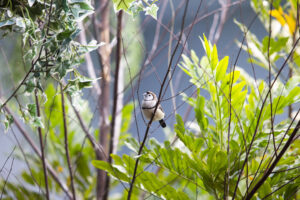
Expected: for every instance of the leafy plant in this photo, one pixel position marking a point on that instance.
(232, 145)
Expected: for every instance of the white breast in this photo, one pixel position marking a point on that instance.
(149, 112)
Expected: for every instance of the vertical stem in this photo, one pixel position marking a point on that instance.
(42, 146)
(115, 102)
(38, 153)
(277, 159)
(66, 141)
(104, 58)
(156, 106)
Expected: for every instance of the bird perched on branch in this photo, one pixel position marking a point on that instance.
(148, 107)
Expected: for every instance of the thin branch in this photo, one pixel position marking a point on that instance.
(8, 157)
(281, 188)
(26, 160)
(67, 142)
(260, 113)
(224, 5)
(115, 101)
(88, 59)
(42, 146)
(34, 61)
(159, 97)
(96, 146)
(269, 63)
(36, 150)
(269, 170)
(12, 163)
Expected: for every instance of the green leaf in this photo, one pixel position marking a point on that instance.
(31, 109)
(179, 127)
(122, 4)
(264, 190)
(152, 10)
(7, 22)
(126, 117)
(207, 46)
(214, 58)
(37, 122)
(65, 34)
(8, 121)
(29, 86)
(135, 8)
(113, 171)
(31, 2)
(132, 144)
(221, 69)
(199, 110)
(81, 9)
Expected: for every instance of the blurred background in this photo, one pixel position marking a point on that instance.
(147, 42)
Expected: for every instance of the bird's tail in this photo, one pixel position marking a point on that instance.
(162, 123)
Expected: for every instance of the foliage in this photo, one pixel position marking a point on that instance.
(134, 7)
(233, 114)
(238, 130)
(80, 152)
(283, 40)
(49, 30)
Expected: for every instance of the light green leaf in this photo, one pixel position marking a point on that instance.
(221, 69)
(152, 10)
(199, 110)
(8, 121)
(31, 109)
(7, 22)
(122, 4)
(37, 122)
(132, 144)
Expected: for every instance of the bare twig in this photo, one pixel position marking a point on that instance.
(159, 97)
(36, 150)
(12, 163)
(42, 146)
(260, 114)
(269, 170)
(115, 101)
(269, 78)
(118, 95)
(224, 5)
(100, 153)
(88, 59)
(8, 157)
(34, 61)
(67, 142)
(26, 160)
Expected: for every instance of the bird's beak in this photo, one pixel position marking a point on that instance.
(144, 95)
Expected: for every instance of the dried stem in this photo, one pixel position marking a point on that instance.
(260, 115)
(159, 98)
(67, 142)
(34, 61)
(12, 163)
(97, 147)
(115, 101)
(36, 150)
(41, 145)
(277, 159)
(88, 59)
(116, 114)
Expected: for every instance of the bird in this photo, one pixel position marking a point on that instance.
(148, 106)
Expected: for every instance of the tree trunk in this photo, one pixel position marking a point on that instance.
(104, 107)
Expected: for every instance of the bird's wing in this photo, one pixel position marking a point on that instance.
(160, 108)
